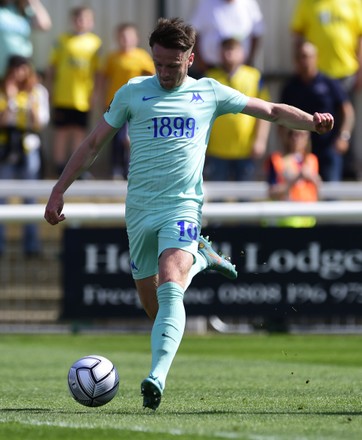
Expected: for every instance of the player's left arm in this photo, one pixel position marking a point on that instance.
(289, 116)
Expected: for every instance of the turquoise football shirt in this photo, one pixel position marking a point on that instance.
(169, 132)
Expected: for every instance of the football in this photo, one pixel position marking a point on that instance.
(93, 380)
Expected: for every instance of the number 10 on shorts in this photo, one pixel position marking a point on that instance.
(188, 231)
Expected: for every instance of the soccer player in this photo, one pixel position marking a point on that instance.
(170, 116)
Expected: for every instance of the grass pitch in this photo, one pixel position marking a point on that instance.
(258, 387)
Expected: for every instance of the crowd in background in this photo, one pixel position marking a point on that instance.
(82, 77)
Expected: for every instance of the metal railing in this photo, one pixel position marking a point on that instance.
(345, 202)
(213, 190)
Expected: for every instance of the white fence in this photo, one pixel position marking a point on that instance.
(213, 190)
(341, 202)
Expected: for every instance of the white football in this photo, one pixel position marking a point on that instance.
(93, 380)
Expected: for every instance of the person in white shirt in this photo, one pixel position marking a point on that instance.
(216, 20)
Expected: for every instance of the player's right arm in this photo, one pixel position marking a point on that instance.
(80, 161)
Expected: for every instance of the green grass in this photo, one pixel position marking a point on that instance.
(259, 387)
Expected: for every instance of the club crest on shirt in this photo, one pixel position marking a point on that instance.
(196, 97)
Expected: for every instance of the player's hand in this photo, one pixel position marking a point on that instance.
(323, 122)
(53, 210)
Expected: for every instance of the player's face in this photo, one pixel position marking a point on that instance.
(171, 65)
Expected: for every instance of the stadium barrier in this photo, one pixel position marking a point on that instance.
(31, 290)
(102, 213)
(339, 202)
(213, 190)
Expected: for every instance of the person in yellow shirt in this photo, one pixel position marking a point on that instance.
(236, 140)
(74, 63)
(126, 62)
(335, 28)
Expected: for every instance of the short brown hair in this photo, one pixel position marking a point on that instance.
(127, 25)
(78, 10)
(230, 43)
(173, 33)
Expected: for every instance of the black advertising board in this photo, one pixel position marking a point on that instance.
(312, 271)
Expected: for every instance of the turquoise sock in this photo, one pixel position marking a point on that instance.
(199, 265)
(167, 330)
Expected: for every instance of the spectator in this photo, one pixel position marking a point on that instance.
(335, 28)
(24, 111)
(126, 62)
(17, 19)
(236, 140)
(293, 174)
(74, 63)
(310, 89)
(217, 20)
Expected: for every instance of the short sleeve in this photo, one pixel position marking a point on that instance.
(117, 112)
(228, 99)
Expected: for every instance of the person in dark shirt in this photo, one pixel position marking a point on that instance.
(309, 89)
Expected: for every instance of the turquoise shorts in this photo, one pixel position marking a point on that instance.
(150, 233)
